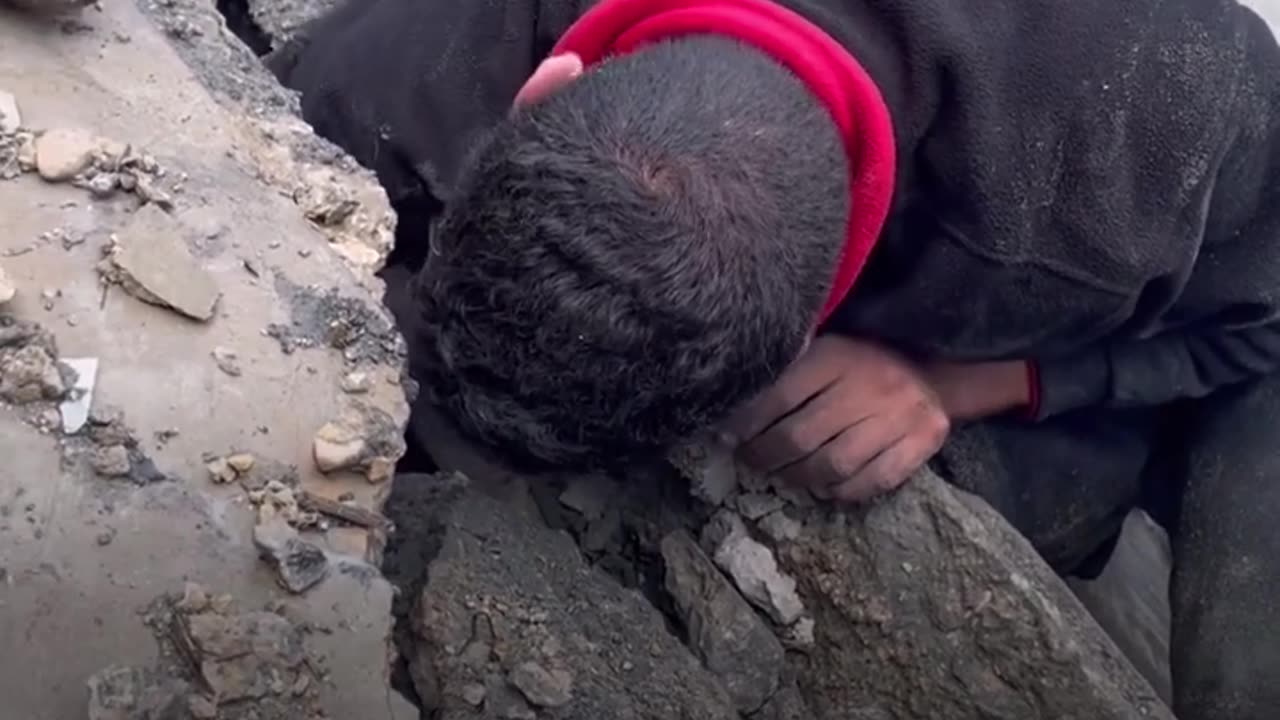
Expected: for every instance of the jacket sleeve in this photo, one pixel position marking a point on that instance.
(1157, 370)
(407, 86)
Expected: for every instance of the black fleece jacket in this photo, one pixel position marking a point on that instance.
(1087, 184)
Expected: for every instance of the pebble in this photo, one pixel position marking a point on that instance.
(227, 361)
(543, 687)
(379, 470)
(220, 471)
(337, 447)
(753, 568)
(7, 289)
(241, 462)
(356, 383)
(780, 527)
(63, 153)
(299, 565)
(10, 117)
(754, 506)
(30, 374)
(112, 461)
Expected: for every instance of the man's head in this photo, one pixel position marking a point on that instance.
(627, 260)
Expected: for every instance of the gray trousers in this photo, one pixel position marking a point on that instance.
(1209, 472)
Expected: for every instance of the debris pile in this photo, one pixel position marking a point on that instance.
(215, 664)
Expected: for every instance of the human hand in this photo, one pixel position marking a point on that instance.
(972, 391)
(849, 420)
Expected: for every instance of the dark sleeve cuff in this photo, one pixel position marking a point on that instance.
(1068, 383)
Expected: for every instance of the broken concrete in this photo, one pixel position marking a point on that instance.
(923, 605)
(150, 260)
(510, 608)
(81, 552)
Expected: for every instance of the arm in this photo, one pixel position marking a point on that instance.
(408, 86)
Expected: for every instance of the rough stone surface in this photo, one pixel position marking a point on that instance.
(504, 591)
(928, 605)
(754, 569)
(10, 116)
(192, 116)
(732, 641)
(299, 565)
(150, 260)
(63, 153)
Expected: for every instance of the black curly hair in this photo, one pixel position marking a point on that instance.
(629, 259)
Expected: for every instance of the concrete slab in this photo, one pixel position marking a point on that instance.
(80, 553)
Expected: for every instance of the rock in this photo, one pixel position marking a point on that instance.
(474, 694)
(588, 495)
(241, 462)
(543, 687)
(7, 289)
(339, 446)
(227, 361)
(754, 570)
(220, 471)
(63, 153)
(30, 374)
(112, 461)
(10, 117)
(732, 641)
(126, 693)
(754, 506)
(779, 526)
(498, 569)
(194, 599)
(150, 261)
(713, 475)
(356, 382)
(379, 470)
(299, 565)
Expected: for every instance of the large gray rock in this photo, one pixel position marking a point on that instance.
(513, 624)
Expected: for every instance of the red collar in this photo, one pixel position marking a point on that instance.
(616, 27)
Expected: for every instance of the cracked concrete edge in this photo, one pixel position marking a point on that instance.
(281, 147)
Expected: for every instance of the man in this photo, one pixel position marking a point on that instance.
(834, 228)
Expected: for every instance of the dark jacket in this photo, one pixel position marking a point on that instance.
(1088, 184)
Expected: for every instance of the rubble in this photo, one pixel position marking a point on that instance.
(7, 289)
(732, 641)
(361, 439)
(299, 565)
(30, 374)
(503, 591)
(10, 116)
(63, 153)
(214, 664)
(150, 261)
(112, 461)
(753, 569)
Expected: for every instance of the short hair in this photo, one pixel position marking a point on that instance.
(627, 260)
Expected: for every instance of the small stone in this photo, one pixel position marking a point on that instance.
(356, 383)
(220, 471)
(49, 297)
(7, 289)
(150, 260)
(10, 117)
(30, 374)
(710, 469)
(112, 461)
(379, 470)
(194, 599)
(202, 708)
(753, 568)
(800, 635)
(63, 153)
(754, 506)
(227, 361)
(542, 687)
(473, 694)
(104, 538)
(299, 565)
(241, 462)
(726, 634)
(337, 447)
(780, 527)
